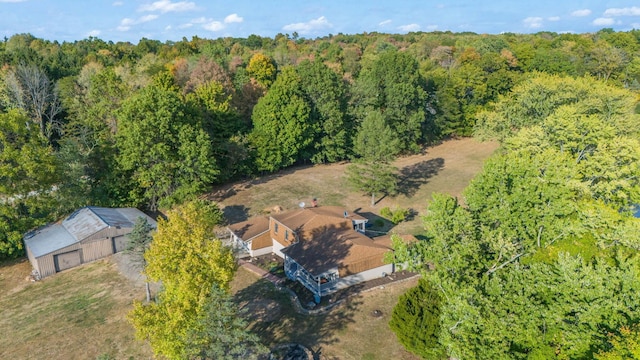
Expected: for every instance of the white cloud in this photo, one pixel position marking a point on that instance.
(604, 21)
(167, 28)
(126, 23)
(533, 22)
(165, 6)
(233, 18)
(409, 27)
(146, 18)
(93, 33)
(117, 3)
(310, 26)
(632, 11)
(635, 25)
(554, 18)
(213, 26)
(384, 23)
(432, 27)
(581, 12)
(185, 26)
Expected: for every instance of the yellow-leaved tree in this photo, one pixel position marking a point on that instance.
(189, 261)
(262, 68)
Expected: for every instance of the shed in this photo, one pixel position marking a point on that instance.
(88, 234)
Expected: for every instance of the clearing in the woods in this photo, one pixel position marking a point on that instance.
(81, 313)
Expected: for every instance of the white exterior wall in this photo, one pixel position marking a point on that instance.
(351, 280)
(260, 252)
(276, 249)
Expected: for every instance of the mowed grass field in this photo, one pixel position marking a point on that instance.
(81, 313)
(76, 314)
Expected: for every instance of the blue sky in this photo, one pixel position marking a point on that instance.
(122, 20)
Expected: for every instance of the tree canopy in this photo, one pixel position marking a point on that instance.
(542, 261)
(153, 124)
(29, 172)
(176, 160)
(189, 261)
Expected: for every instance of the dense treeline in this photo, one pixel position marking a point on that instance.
(542, 261)
(154, 124)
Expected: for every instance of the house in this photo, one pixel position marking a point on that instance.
(88, 234)
(324, 248)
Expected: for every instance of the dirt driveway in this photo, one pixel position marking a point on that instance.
(447, 167)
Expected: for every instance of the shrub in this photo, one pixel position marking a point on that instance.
(416, 320)
(396, 215)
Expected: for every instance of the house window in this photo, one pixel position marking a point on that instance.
(286, 235)
(275, 228)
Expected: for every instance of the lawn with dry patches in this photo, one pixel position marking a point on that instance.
(81, 313)
(76, 314)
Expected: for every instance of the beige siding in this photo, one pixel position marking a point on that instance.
(261, 241)
(46, 263)
(97, 249)
(365, 264)
(46, 266)
(283, 235)
(109, 233)
(32, 259)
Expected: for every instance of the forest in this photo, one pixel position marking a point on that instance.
(539, 259)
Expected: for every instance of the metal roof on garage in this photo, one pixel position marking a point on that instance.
(48, 239)
(79, 226)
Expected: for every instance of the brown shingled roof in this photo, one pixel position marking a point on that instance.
(332, 248)
(249, 229)
(296, 219)
(327, 239)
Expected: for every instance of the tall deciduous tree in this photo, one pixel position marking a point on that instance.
(327, 96)
(223, 124)
(526, 267)
(87, 145)
(31, 90)
(522, 201)
(189, 261)
(393, 86)
(28, 175)
(262, 68)
(283, 131)
(167, 153)
(532, 101)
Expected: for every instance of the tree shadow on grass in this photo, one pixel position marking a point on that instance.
(235, 213)
(272, 316)
(222, 192)
(413, 176)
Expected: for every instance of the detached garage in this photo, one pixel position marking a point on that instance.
(88, 234)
